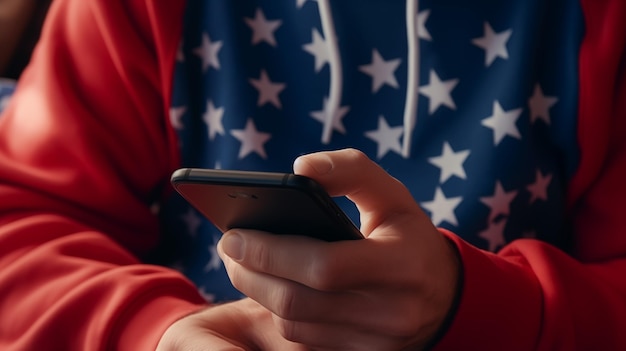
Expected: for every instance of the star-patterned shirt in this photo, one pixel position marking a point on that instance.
(493, 140)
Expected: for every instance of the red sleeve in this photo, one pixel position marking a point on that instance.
(532, 296)
(85, 150)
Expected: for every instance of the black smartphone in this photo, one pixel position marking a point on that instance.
(280, 203)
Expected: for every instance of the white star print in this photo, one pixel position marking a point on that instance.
(494, 235)
(268, 90)
(192, 221)
(442, 208)
(540, 105)
(208, 52)
(318, 49)
(213, 119)
(500, 202)
(388, 138)
(439, 92)
(180, 55)
(450, 163)
(263, 30)
(539, 189)
(381, 71)
(341, 112)
(493, 43)
(210, 298)
(300, 3)
(502, 123)
(422, 31)
(155, 208)
(215, 263)
(176, 115)
(251, 140)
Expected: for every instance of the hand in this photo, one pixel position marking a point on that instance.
(236, 326)
(391, 291)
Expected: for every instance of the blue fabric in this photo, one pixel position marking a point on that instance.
(7, 87)
(490, 180)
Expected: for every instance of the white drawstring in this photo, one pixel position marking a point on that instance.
(336, 72)
(413, 74)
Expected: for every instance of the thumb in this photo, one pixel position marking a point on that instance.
(377, 195)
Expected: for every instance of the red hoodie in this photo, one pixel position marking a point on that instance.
(75, 198)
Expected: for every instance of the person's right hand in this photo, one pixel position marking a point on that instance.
(236, 326)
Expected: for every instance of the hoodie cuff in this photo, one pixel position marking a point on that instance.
(500, 303)
(144, 325)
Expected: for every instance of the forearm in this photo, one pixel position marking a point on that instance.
(72, 287)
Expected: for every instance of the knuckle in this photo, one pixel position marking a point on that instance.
(321, 275)
(287, 329)
(357, 155)
(286, 307)
(260, 258)
(408, 325)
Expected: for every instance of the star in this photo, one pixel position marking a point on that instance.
(318, 49)
(494, 235)
(251, 140)
(320, 116)
(442, 208)
(155, 208)
(176, 117)
(503, 123)
(180, 55)
(210, 298)
(215, 262)
(422, 31)
(539, 189)
(438, 92)
(500, 202)
(494, 44)
(388, 138)
(381, 71)
(268, 90)
(192, 221)
(540, 105)
(213, 119)
(300, 3)
(208, 52)
(263, 30)
(450, 162)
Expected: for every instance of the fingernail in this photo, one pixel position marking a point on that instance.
(232, 244)
(321, 162)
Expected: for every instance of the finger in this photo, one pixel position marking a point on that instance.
(296, 302)
(326, 336)
(349, 172)
(236, 326)
(324, 266)
(291, 300)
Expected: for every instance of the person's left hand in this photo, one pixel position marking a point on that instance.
(390, 291)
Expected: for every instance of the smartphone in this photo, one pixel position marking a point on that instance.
(280, 203)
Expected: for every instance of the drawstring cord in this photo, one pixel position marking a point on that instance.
(336, 71)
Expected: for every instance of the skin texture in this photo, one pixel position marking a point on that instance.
(391, 291)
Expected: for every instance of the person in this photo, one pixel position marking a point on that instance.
(482, 144)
